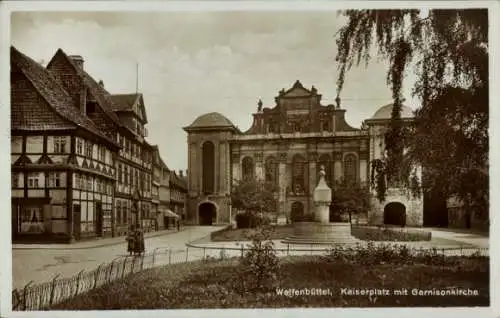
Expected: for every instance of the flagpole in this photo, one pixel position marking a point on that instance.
(136, 78)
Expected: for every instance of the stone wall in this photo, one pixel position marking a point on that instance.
(414, 207)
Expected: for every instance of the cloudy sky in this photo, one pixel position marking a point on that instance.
(191, 63)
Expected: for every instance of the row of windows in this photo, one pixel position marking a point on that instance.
(60, 144)
(122, 212)
(91, 183)
(299, 171)
(134, 177)
(38, 180)
(134, 149)
(86, 148)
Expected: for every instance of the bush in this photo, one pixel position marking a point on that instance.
(259, 265)
(382, 233)
(372, 254)
(247, 220)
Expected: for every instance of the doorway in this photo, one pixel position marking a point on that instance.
(99, 219)
(395, 214)
(297, 212)
(207, 213)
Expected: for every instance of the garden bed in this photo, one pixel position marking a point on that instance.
(213, 284)
(388, 233)
(277, 232)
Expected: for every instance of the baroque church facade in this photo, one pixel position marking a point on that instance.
(287, 144)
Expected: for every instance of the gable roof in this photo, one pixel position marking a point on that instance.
(53, 93)
(100, 94)
(126, 103)
(297, 90)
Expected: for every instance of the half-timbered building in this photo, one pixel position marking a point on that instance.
(62, 159)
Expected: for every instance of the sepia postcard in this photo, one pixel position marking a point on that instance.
(249, 158)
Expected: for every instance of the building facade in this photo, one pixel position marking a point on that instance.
(287, 144)
(133, 197)
(178, 193)
(81, 167)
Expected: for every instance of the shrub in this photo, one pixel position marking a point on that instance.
(372, 254)
(259, 265)
(247, 220)
(383, 233)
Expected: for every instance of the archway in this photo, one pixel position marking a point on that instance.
(395, 214)
(207, 213)
(297, 212)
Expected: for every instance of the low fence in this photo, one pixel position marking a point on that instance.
(42, 296)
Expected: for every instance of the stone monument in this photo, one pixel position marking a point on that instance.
(321, 231)
(322, 199)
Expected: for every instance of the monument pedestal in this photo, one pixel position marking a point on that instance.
(321, 231)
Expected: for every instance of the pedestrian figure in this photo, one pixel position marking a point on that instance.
(139, 242)
(178, 225)
(130, 240)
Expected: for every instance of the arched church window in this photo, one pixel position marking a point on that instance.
(271, 170)
(350, 171)
(248, 168)
(208, 169)
(299, 174)
(325, 161)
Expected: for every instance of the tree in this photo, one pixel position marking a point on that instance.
(449, 137)
(255, 197)
(352, 199)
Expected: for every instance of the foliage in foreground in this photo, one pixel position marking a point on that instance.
(218, 284)
(449, 50)
(367, 233)
(260, 264)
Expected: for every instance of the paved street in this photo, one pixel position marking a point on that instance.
(41, 265)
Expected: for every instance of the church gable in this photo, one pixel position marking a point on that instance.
(297, 90)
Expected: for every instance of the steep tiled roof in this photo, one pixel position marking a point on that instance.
(124, 102)
(98, 91)
(53, 93)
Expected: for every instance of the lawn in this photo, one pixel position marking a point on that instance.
(278, 232)
(214, 284)
(389, 233)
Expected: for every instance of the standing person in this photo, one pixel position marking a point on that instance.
(178, 225)
(130, 240)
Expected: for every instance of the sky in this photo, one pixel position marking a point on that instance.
(191, 63)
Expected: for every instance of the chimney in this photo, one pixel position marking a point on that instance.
(78, 59)
(101, 83)
(181, 173)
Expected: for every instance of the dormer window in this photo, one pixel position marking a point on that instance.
(90, 109)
